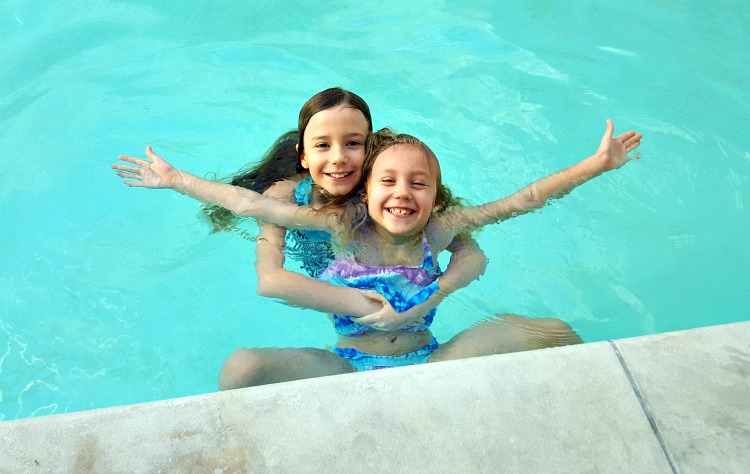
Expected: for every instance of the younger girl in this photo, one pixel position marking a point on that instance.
(389, 239)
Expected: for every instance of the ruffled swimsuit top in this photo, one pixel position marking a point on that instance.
(402, 285)
(312, 248)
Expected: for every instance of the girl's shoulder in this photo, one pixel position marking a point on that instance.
(285, 188)
(437, 235)
(443, 227)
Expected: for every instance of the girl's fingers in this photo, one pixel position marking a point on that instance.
(374, 296)
(607, 134)
(633, 141)
(631, 135)
(128, 175)
(626, 135)
(150, 153)
(129, 169)
(129, 159)
(134, 160)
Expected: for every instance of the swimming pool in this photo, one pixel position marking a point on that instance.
(112, 295)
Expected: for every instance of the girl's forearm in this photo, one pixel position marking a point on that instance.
(467, 264)
(536, 194)
(239, 200)
(563, 182)
(245, 202)
(295, 289)
(611, 154)
(298, 290)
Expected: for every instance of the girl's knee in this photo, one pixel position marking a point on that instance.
(555, 325)
(556, 332)
(241, 369)
(543, 332)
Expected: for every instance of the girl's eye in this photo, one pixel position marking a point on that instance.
(354, 143)
(321, 145)
(388, 180)
(418, 184)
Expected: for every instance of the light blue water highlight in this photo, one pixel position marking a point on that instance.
(111, 295)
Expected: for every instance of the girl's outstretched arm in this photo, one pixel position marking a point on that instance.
(611, 154)
(157, 173)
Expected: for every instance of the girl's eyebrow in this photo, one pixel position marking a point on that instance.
(354, 134)
(348, 135)
(418, 173)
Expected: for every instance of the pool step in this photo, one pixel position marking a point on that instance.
(673, 402)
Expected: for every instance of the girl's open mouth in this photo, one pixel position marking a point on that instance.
(339, 175)
(398, 211)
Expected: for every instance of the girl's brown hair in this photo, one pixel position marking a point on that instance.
(385, 138)
(355, 214)
(282, 160)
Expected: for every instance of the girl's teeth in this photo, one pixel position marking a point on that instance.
(400, 212)
(338, 175)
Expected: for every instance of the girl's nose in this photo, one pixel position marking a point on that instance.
(401, 191)
(338, 155)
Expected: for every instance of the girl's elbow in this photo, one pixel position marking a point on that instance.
(533, 199)
(248, 204)
(480, 263)
(245, 210)
(268, 287)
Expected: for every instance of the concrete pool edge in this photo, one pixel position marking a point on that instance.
(671, 402)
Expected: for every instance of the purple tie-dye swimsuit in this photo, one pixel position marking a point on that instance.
(402, 285)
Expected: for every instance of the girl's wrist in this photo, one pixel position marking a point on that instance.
(179, 186)
(444, 288)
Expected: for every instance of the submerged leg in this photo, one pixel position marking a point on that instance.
(249, 367)
(507, 333)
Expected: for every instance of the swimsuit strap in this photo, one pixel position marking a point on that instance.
(428, 263)
(302, 191)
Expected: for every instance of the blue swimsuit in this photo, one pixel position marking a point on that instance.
(403, 286)
(312, 248)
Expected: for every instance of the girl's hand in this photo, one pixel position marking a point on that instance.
(614, 151)
(388, 319)
(156, 173)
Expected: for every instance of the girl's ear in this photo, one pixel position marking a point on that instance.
(302, 159)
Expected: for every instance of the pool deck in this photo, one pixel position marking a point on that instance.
(673, 402)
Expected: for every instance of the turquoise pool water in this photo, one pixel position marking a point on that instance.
(111, 295)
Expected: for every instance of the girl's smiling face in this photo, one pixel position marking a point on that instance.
(401, 191)
(334, 148)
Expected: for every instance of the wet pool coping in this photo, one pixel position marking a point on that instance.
(666, 403)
